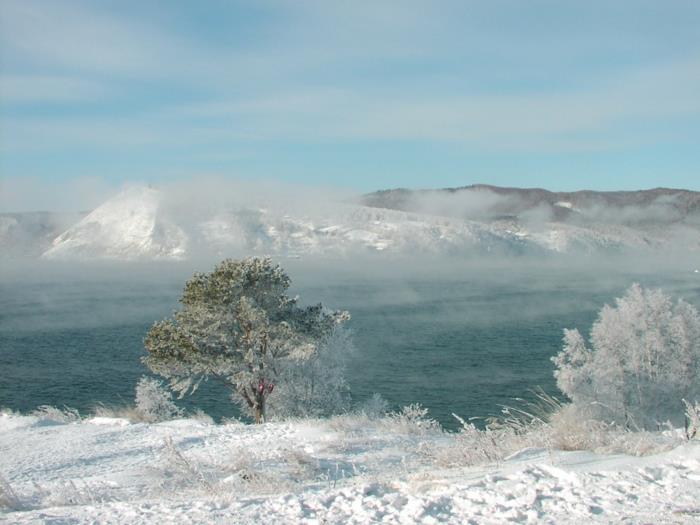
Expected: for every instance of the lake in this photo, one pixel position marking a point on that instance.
(463, 340)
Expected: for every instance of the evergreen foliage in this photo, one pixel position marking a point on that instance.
(237, 325)
(643, 360)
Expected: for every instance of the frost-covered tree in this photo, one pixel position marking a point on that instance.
(237, 325)
(153, 402)
(643, 360)
(316, 386)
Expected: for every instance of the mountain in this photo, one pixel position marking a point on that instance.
(126, 227)
(145, 223)
(140, 224)
(660, 206)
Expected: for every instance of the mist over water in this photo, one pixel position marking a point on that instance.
(453, 336)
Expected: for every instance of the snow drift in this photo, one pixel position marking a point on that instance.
(335, 471)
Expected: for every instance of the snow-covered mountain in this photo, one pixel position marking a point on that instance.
(141, 223)
(137, 225)
(126, 227)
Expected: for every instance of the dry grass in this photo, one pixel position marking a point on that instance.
(56, 415)
(8, 498)
(134, 415)
(410, 420)
(547, 424)
(130, 413)
(184, 470)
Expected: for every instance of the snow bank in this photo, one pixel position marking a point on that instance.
(106, 471)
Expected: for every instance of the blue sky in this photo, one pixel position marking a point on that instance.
(360, 95)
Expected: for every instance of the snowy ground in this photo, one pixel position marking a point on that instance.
(336, 471)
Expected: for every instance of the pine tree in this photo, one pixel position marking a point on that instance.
(237, 325)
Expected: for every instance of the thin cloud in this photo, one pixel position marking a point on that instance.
(541, 121)
(482, 78)
(27, 194)
(580, 120)
(71, 36)
(24, 89)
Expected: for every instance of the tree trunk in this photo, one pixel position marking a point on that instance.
(259, 408)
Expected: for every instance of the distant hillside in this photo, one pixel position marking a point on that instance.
(485, 202)
(144, 223)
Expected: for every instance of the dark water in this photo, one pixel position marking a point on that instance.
(462, 343)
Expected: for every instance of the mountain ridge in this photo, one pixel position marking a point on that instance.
(677, 203)
(146, 223)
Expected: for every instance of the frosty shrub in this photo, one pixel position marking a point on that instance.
(237, 325)
(375, 407)
(153, 402)
(413, 419)
(643, 359)
(316, 386)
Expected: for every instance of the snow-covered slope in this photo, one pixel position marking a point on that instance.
(311, 472)
(126, 227)
(348, 230)
(137, 224)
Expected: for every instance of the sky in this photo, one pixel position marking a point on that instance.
(360, 95)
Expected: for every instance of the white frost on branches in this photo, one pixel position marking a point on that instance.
(643, 360)
(237, 325)
(315, 386)
(154, 403)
